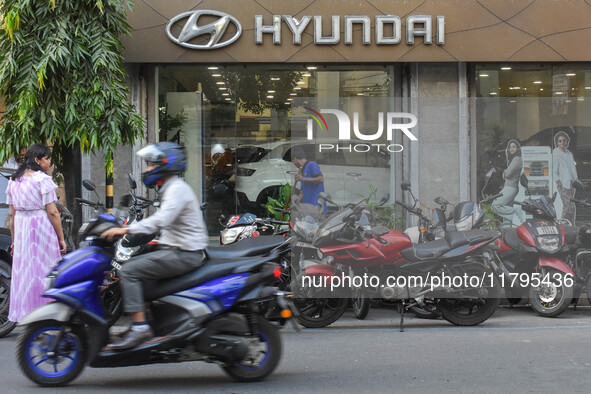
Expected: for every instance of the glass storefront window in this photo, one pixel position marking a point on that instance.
(236, 120)
(534, 105)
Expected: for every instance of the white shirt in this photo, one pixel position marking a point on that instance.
(179, 219)
(563, 167)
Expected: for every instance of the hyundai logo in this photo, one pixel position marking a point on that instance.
(216, 29)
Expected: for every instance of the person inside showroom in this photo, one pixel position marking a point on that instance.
(309, 175)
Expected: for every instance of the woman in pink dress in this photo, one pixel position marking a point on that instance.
(37, 236)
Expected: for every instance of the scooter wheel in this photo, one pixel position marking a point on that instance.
(48, 368)
(263, 355)
(360, 303)
(6, 326)
(319, 312)
(551, 299)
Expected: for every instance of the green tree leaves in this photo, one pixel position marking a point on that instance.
(62, 76)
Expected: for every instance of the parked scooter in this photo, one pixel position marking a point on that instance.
(247, 225)
(59, 338)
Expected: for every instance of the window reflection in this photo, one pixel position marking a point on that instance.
(230, 115)
(532, 103)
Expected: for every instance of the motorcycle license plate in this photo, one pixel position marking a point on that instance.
(304, 245)
(547, 230)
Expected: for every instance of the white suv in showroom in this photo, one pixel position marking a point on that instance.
(346, 174)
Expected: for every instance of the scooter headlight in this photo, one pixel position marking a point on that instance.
(549, 243)
(229, 235)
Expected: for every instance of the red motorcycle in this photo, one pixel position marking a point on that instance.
(533, 259)
(455, 275)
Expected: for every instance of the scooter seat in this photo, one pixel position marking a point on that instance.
(458, 238)
(426, 251)
(211, 270)
(247, 247)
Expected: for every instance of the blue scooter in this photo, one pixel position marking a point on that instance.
(211, 314)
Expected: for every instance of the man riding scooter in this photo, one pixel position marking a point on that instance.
(183, 236)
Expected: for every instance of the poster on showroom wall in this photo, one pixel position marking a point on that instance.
(537, 167)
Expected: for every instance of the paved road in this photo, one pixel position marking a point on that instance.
(514, 351)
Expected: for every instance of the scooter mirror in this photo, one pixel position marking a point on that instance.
(578, 185)
(385, 199)
(405, 185)
(440, 200)
(132, 183)
(88, 185)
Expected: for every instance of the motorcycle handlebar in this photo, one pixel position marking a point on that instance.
(280, 222)
(490, 198)
(410, 209)
(282, 210)
(86, 202)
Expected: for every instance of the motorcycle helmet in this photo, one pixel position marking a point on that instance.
(169, 158)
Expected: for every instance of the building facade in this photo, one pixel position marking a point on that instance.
(238, 83)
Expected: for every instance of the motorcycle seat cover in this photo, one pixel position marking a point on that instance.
(426, 251)
(211, 270)
(459, 238)
(245, 248)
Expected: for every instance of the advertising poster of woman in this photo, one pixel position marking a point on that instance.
(564, 172)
